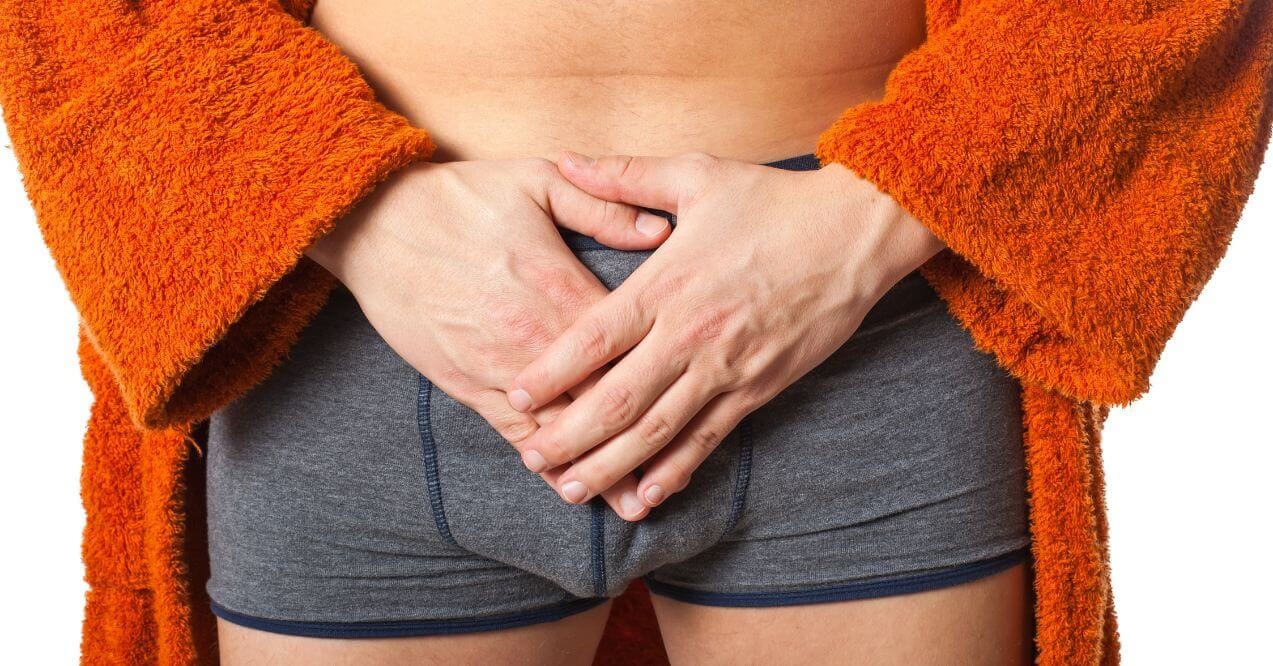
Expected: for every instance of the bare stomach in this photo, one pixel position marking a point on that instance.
(747, 80)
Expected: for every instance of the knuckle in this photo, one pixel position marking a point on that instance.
(704, 439)
(559, 285)
(594, 341)
(540, 167)
(701, 159)
(705, 167)
(594, 477)
(663, 287)
(708, 324)
(653, 431)
(614, 214)
(629, 169)
(535, 175)
(676, 475)
(553, 451)
(516, 432)
(751, 396)
(520, 323)
(618, 406)
(726, 376)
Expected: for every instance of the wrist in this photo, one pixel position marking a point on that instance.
(887, 242)
(355, 240)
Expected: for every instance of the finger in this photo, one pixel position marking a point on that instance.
(589, 381)
(663, 183)
(542, 416)
(617, 400)
(669, 471)
(606, 464)
(547, 413)
(514, 426)
(610, 327)
(622, 498)
(618, 225)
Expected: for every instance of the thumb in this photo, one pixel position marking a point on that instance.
(662, 183)
(613, 224)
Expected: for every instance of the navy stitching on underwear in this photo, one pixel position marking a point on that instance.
(861, 590)
(424, 398)
(401, 628)
(742, 480)
(598, 546)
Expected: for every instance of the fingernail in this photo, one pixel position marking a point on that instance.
(519, 400)
(654, 494)
(581, 161)
(632, 506)
(534, 462)
(650, 224)
(574, 491)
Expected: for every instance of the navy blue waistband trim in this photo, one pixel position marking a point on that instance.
(955, 575)
(402, 628)
(806, 162)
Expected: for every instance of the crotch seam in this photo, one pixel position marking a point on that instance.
(742, 479)
(598, 546)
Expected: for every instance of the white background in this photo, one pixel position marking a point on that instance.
(1187, 466)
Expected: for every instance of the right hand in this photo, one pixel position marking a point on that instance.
(458, 266)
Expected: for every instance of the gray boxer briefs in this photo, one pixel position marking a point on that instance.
(349, 497)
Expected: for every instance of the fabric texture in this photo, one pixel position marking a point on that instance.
(894, 464)
(1085, 162)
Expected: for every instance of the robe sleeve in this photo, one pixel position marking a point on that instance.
(180, 156)
(1085, 163)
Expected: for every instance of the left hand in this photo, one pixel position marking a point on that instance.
(767, 273)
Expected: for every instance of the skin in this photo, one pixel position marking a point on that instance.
(983, 623)
(459, 268)
(570, 641)
(456, 265)
(768, 273)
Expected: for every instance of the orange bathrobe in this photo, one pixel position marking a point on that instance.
(1084, 161)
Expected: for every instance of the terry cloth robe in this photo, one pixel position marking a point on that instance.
(1084, 161)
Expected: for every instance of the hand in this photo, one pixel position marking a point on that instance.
(768, 272)
(459, 268)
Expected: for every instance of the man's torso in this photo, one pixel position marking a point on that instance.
(756, 81)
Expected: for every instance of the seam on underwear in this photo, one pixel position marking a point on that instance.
(424, 397)
(598, 546)
(742, 479)
(949, 576)
(402, 628)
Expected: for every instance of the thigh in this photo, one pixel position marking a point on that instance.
(571, 640)
(986, 622)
